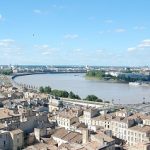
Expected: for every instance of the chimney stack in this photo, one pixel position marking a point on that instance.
(85, 136)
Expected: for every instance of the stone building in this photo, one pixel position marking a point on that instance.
(11, 140)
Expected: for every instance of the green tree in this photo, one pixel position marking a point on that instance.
(91, 98)
(65, 94)
(99, 100)
(47, 90)
(41, 89)
(96, 73)
(73, 96)
(60, 93)
(6, 71)
(77, 97)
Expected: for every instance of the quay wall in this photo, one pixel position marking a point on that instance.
(49, 72)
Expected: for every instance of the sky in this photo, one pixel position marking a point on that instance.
(75, 32)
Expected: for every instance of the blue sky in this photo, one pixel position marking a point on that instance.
(79, 32)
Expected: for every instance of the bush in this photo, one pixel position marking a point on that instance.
(46, 89)
(91, 98)
(6, 71)
(73, 96)
(60, 93)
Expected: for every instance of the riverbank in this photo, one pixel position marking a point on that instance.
(86, 77)
(104, 80)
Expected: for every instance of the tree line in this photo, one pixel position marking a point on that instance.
(99, 74)
(65, 94)
(124, 76)
(6, 71)
(58, 93)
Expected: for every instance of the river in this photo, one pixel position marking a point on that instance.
(119, 92)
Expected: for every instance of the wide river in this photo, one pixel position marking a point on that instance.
(119, 92)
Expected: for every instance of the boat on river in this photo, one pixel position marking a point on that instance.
(139, 84)
(134, 83)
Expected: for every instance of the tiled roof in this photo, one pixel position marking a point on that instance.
(139, 128)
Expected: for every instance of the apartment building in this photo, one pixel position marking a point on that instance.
(119, 126)
(138, 134)
(11, 140)
(88, 114)
(103, 121)
(120, 123)
(146, 120)
(140, 146)
(66, 118)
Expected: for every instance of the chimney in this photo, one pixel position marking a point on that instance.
(85, 136)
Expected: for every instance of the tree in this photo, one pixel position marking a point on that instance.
(41, 89)
(60, 93)
(99, 100)
(6, 71)
(73, 96)
(91, 98)
(96, 73)
(77, 97)
(47, 90)
(65, 94)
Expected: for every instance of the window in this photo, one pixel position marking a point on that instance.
(143, 135)
(125, 132)
(139, 135)
(128, 138)
(17, 138)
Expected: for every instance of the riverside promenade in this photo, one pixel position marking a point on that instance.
(103, 105)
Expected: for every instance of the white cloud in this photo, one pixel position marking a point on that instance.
(142, 45)
(71, 36)
(46, 53)
(100, 50)
(109, 21)
(1, 17)
(101, 32)
(91, 18)
(46, 49)
(139, 28)
(37, 11)
(108, 31)
(58, 6)
(9, 48)
(78, 50)
(44, 46)
(120, 30)
(6, 42)
(130, 49)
